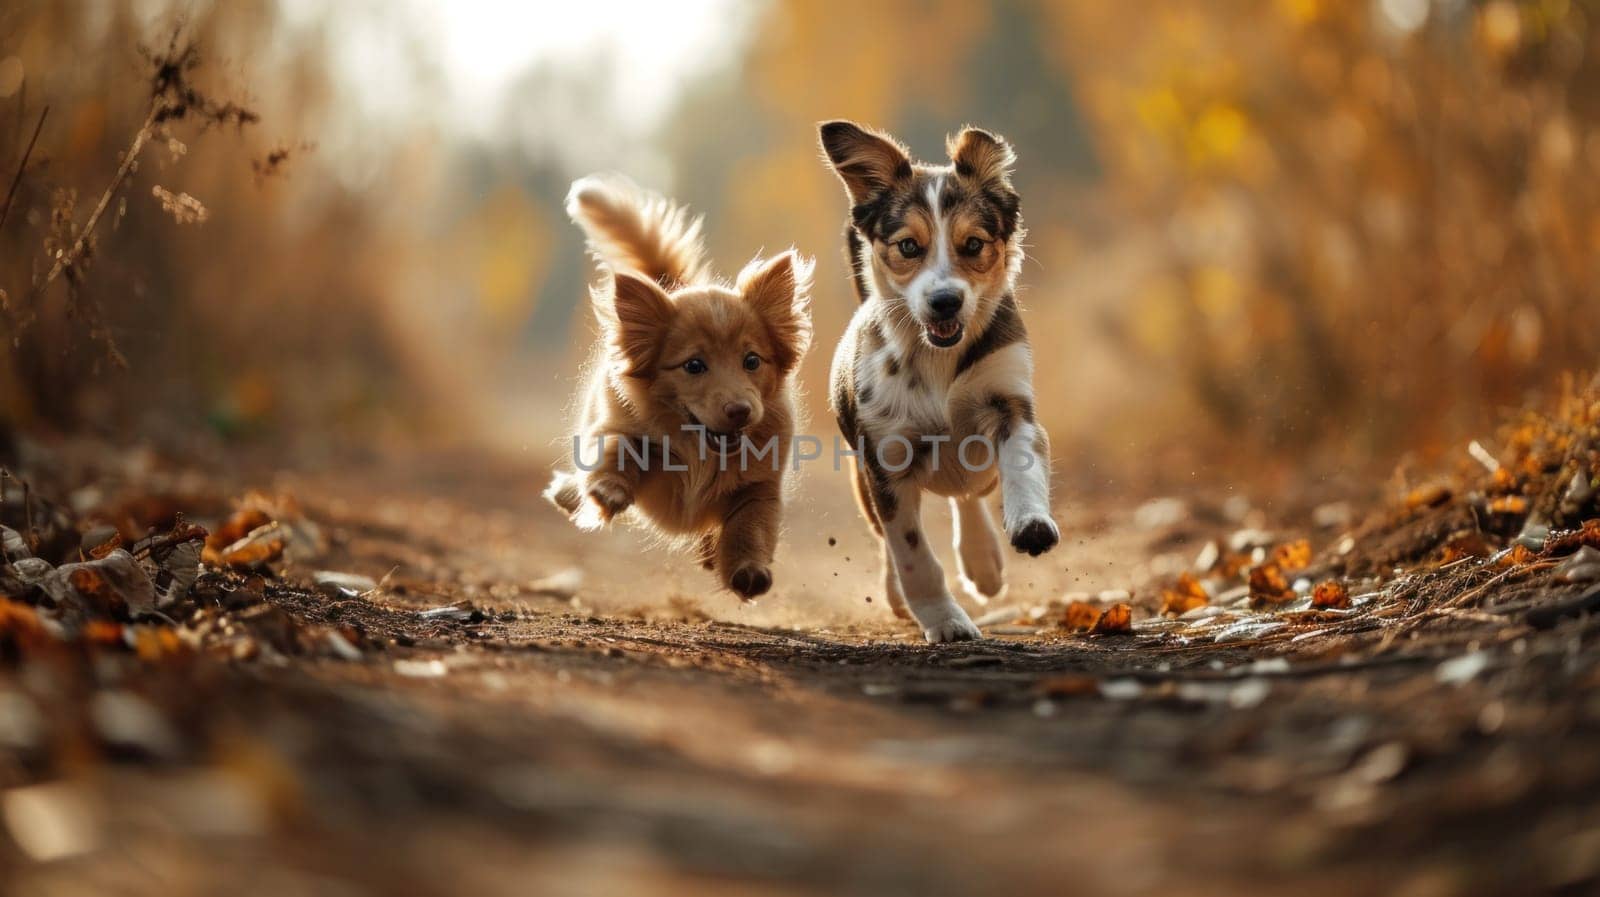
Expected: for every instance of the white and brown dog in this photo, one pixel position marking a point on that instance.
(933, 380)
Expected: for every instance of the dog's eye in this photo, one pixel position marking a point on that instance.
(973, 246)
(909, 248)
(751, 361)
(695, 366)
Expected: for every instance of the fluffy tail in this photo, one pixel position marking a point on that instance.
(631, 228)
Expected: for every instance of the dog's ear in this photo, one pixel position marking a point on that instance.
(984, 157)
(779, 290)
(866, 161)
(634, 312)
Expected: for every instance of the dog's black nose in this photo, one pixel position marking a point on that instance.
(738, 413)
(944, 304)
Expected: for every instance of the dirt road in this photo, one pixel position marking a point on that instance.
(522, 708)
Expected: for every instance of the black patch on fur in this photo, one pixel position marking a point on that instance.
(915, 383)
(952, 195)
(849, 426)
(864, 394)
(891, 366)
(1007, 205)
(912, 538)
(874, 335)
(1003, 414)
(1004, 329)
(893, 207)
(858, 269)
(1009, 412)
(883, 498)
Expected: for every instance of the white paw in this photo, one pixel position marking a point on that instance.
(947, 622)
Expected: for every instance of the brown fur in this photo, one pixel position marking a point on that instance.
(638, 389)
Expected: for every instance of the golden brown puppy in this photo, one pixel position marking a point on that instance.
(688, 413)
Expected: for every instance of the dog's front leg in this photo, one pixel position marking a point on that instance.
(749, 538)
(1025, 486)
(610, 481)
(899, 507)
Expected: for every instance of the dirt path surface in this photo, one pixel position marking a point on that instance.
(522, 708)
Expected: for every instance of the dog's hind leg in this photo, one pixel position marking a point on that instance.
(977, 543)
(892, 593)
(892, 590)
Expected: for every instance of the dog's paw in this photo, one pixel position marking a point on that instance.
(750, 580)
(563, 492)
(947, 623)
(610, 497)
(1035, 536)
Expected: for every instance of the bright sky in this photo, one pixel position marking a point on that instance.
(645, 49)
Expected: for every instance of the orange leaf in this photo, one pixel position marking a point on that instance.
(1330, 594)
(1293, 555)
(1466, 545)
(241, 524)
(1117, 620)
(1186, 595)
(1080, 616)
(1267, 585)
(1571, 540)
(1517, 556)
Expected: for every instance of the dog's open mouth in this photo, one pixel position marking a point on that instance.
(943, 334)
(716, 440)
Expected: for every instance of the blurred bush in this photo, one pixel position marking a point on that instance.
(1366, 223)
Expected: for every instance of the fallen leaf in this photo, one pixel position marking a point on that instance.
(105, 548)
(1268, 586)
(1517, 556)
(262, 546)
(1292, 556)
(114, 586)
(1185, 595)
(241, 524)
(1080, 616)
(1117, 620)
(1570, 540)
(1465, 545)
(1330, 594)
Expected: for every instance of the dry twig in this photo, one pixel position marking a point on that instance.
(22, 166)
